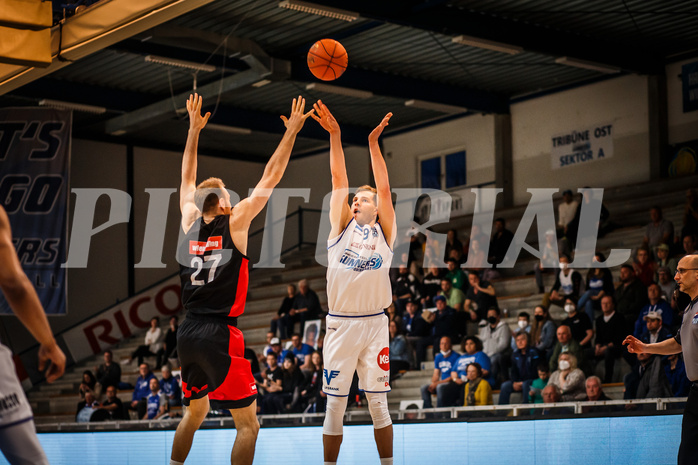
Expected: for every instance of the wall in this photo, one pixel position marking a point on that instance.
(683, 127)
(621, 101)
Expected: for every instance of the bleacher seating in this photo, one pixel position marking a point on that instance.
(517, 291)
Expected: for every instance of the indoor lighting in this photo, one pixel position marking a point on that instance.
(488, 44)
(440, 107)
(72, 106)
(346, 91)
(261, 83)
(229, 129)
(587, 65)
(179, 63)
(313, 9)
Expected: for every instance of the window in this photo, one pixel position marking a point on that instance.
(445, 171)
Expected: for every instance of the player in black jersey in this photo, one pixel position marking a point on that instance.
(214, 276)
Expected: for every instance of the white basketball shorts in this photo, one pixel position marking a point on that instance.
(356, 343)
(14, 406)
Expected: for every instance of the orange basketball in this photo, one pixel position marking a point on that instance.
(327, 59)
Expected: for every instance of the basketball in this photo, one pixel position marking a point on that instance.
(327, 59)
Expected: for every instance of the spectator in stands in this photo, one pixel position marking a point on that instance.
(431, 286)
(663, 260)
(406, 287)
(477, 390)
(543, 332)
(152, 345)
(611, 329)
(399, 350)
(157, 403)
(302, 352)
(277, 350)
(690, 214)
(599, 283)
(524, 362)
(169, 348)
(420, 333)
(659, 230)
(675, 371)
(267, 348)
(452, 243)
(689, 244)
(88, 384)
(630, 295)
(312, 395)
(656, 305)
(111, 408)
(495, 336)
(551, 394)
(523, 323)
(476, 257)
(454, 296)
(283, 312)
(535, 394)
(666, 282)
(595, 394)
(647, 379)
(270, 384)
(472, 353)
(550, 259)
(141, 390)
(480, 297)
(501, 240)
(565, 343)
(444, 362)
(644, 266)
(456, 255)
(292, 384)
(444, 320)
(86, 408)
(568, 284)
(579, 323)
(108, 373)
(566, 210)
(170, 387)
(306, 306)
(458, 278)
(409, 317)
(573, 226)
(568, 378)
(253, 358)
(654, 331)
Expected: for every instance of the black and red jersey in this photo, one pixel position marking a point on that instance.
(214, 274)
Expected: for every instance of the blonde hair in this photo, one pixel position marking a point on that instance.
(570, 358)
(367, 188)
(206, 195)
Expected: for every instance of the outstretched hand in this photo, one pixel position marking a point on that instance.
(196, 121)
(634, 345)
(295, 122)
(325, 118)
(375, 134)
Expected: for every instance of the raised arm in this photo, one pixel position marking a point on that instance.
(24, 301)
(340, 213)
(186, 189)
(244, 212)
(386, 212)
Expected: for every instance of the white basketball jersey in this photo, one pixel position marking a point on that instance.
(358, 265)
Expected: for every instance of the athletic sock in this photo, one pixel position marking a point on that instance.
(174, 462)
(387, 461)
(330, 463)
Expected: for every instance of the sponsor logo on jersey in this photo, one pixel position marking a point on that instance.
(359, 245)
(200, 247)
(330, 375)
(352, 260)
(695, 319)
(253, 387)
(384, 359)
(9, 402)
(383, 379)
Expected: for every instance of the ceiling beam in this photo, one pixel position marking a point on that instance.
(443, 19)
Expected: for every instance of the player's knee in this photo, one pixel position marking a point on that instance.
(378, 408)
(334, 416)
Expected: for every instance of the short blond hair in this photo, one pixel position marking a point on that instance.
(367, 188)
(206, 196)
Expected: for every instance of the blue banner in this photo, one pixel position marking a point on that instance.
(689, 79)
(35, 161)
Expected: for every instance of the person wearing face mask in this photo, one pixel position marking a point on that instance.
(568, 378)
(522, 324)
(565, 343)
(543, 331)
(567, 285)
(495, 336)
(579, 323)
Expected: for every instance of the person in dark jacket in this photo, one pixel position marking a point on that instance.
(524, 363)
(610, 332)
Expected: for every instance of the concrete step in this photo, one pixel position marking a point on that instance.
(316, 280)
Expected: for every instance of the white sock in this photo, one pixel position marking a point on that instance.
(174, 462)
(387, 461)
(330, 463)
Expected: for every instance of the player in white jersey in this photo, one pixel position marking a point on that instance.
(358, 290)
(18, 440)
